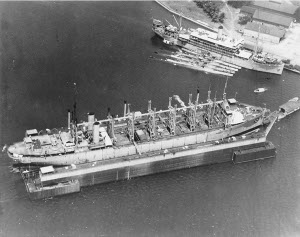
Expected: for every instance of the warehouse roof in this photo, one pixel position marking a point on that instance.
(283, 7)
(272, 18)
(274, 31)
(248, 9)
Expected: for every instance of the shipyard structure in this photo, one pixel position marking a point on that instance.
(222, 47)
(137, 144)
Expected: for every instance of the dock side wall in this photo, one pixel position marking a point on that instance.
(156, 166)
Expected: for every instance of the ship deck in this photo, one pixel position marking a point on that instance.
(167, 123)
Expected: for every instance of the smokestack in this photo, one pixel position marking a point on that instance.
(69, 119)
(125, 108)
(128, 108)
(96, 129)
(198, 92)
(91, 120)
(220, 32)
(190, 99)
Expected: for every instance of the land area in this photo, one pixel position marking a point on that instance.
(288, 48)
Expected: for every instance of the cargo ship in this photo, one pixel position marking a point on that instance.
(218, 45)
(138, 134)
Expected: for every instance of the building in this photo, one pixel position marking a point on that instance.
(283, 8)
(271, 19)
(263, 32)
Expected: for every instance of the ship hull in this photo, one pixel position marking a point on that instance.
(248, 64)
(120, 170)
(158, 33)
(145, 148)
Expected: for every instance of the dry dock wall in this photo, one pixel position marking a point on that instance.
(157, 165)
(56, 190)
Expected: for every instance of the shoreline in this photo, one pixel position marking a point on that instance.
(292, 70)
(278, 49)
(185, 17)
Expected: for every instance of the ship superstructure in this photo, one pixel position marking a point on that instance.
(138, 133)
(225, 48)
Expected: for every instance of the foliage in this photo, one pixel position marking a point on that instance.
(212, 10)
(291, 66)
(244, 19)
(286, 61)
(239, 4)
(297, 67)
(222, 17)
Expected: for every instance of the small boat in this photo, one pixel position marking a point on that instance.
(260, 90)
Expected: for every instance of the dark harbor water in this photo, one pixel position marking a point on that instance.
(104, 47)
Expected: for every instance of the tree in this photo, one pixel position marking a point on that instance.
(244, 19)
(222, 17)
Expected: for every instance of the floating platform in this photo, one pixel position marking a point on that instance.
(70, 179)
(257, 153)
(289, 107)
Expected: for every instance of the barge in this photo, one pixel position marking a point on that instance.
(289, 107)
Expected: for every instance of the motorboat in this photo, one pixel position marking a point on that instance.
(260, 90)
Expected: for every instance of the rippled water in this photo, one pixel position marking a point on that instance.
(104, 47)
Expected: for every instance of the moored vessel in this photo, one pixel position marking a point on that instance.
(138, 134)
(219, 45)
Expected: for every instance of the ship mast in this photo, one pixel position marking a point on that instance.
(256, 42)
(214, 108)
(130, 124)
(172, 117)
(209, 106)
(151, 121)
(224, 93)
(74, 117)
(191, 114)
(111, 125)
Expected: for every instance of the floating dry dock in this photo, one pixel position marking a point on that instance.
(138, 144)
(49, 181)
